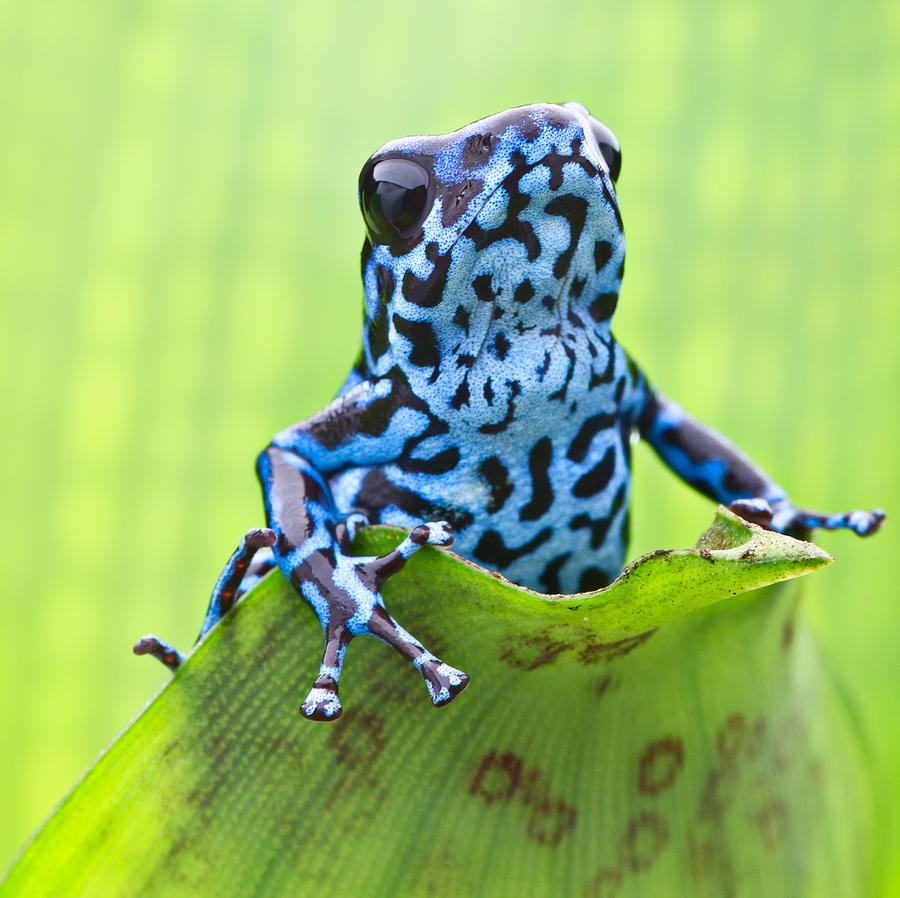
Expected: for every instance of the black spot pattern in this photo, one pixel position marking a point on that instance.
(492, 550)
(602, 254)
(482, 287)
(596, 480)
(524, 291)
(424, 352)
(603, 306)
(550, 575)
(578, 448)
(574, 210)
(541, 491)
(442, 463)
(496, 478)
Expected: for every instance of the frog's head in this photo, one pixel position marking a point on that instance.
(499, 231)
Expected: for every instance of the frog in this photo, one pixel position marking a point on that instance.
(490, 406)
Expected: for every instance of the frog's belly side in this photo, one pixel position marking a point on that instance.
(554, 527)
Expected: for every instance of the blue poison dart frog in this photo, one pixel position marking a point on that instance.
(490, 406)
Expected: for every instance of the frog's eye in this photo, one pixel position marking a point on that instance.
(394, 196)
(609, 148)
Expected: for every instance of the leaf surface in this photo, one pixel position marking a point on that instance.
(647, 739)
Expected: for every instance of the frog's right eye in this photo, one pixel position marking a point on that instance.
(394, 195)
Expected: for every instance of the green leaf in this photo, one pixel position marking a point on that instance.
(647, 739)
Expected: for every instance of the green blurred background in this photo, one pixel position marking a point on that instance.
(179, 242)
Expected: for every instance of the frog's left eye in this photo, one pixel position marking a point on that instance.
(394, 195)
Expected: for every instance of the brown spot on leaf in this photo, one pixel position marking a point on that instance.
(787, 633)
(549, 818)
(730, 740)
(385, 690)
(595, 652)
(643, 841)
(501, 776)
(771, 821)
(365, 750)
(756, 738)
(439, 872)
(532, 651)
(716, 797)
(789, 742)
(607, 883)
(708, 859)
(498, 777)
(817, 771)
(659, 765)
(286, 743)
(702, 854)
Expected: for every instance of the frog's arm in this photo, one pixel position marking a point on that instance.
(714, 466)
(368, 425)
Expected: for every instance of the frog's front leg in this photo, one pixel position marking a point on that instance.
(313, 551)
(713, 465)
(784, 517)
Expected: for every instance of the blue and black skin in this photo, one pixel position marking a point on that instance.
(490, 403)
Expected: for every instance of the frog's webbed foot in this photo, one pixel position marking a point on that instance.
(785, 518)
(225, 593)
(443, 681)
(323, 702)
(351, 605)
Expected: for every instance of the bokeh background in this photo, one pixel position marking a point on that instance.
(179, 241)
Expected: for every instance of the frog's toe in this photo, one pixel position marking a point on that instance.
(756, 510)
(160, 649)
(443, 681)
(435, 533)
(322, 703)
(865, 523)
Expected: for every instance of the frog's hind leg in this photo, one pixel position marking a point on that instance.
(360, 581)
(443, 681)
(231, 584)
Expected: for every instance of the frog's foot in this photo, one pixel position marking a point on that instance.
(757, 511)
(434, 533)
(322, 703)
(160, 649)
(785, 518)
(863, 523)
(348, 528)
(443, 681)
(348, 602)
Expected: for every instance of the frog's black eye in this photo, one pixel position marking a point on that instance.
(609, 148)
(394, 196)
